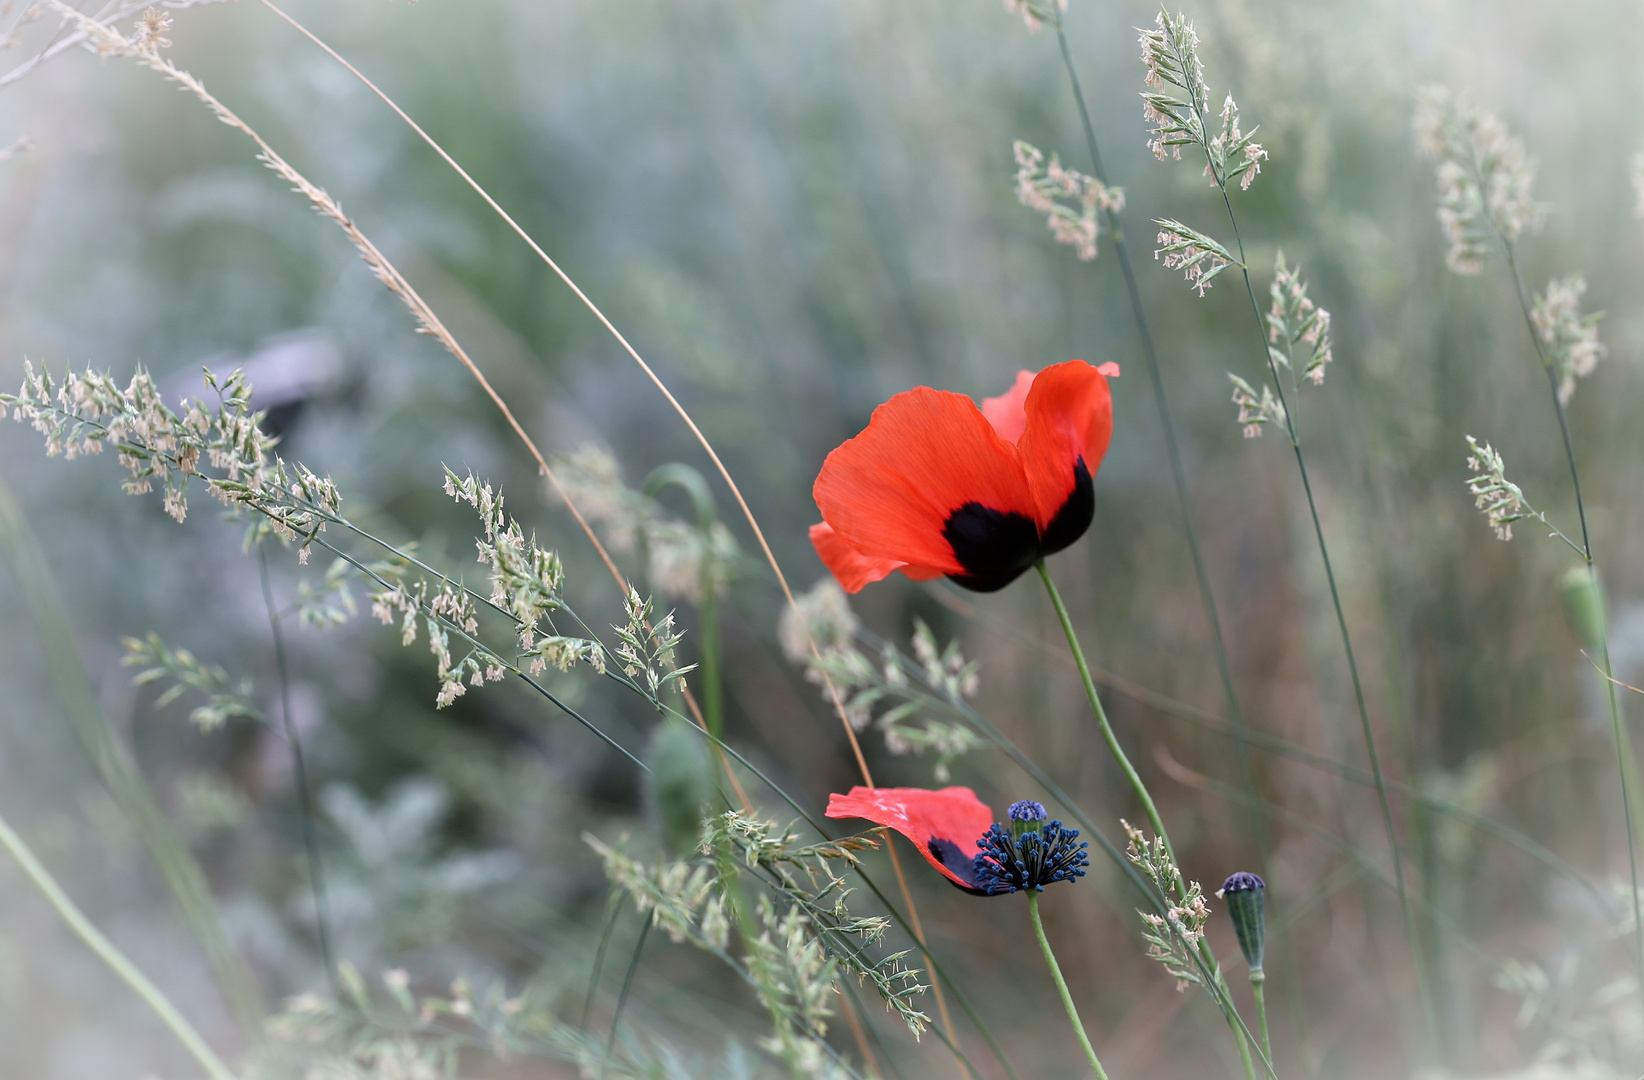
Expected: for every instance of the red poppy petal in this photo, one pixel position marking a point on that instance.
(1007, 412)
(953, 814)
(1069, 416)
(852, 569)
(890, 491)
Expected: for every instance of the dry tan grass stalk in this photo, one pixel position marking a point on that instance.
(145, 46)
(702, 440)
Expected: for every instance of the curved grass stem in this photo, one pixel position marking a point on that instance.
(1411, 930)
(110, 955)
(1618, 732)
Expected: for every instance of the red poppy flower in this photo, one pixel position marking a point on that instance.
(946, 826)
(938, 486)
(956, 833)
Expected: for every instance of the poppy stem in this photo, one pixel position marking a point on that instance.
(1061, 985)
(1258, 986)
(1219, 991)
(1106, 728)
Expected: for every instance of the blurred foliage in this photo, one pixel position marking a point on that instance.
(794, 211)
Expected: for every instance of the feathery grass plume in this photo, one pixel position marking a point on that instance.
(683, 896)
(1044, 189)
(1570, 337)
(1199, 257)
(682, 560)
(1035, 13)
(865, 685)
(1484, 176)
(330, 603)
(793, 958)
(1298, 330)
(1501, 501)
(804, 876)
(525, 579)
(647, 648)
(1170, 51)
(225, 699)
(86, 411)
(1255, 409)
(1173, 937)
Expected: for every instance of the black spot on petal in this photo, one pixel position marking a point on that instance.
(994, 546)
(1076, 513)
(950, 856)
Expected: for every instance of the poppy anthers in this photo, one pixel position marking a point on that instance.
(956, 833)
(936, 485)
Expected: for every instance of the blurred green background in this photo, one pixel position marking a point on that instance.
(795, 210)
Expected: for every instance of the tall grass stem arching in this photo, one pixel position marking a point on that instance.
(1167, 423)
(1411, 929)
(111, 956)
(299, 776)
(702, 440)
(1618, 733)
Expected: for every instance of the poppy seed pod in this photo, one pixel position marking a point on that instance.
(679, 786)
(1584, 606)
(1243, 893)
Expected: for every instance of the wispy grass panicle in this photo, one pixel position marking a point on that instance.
(1170, 56)
(1298, 330)
(1256, 409)
(1201, 258)
(224, 697)
(1172, 937)
(1570, 336)
(1035, 13)
(1484, 176)
(1181, 117)
(922, 715)
(1072, 202)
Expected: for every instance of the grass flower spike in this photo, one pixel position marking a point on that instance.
(937, 486)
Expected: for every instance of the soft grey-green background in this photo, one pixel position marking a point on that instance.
(796, 209)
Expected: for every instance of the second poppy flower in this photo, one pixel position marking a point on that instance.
(937, 486)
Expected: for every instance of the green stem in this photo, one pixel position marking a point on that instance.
(1208, 958)
(1061, 986)
(1106, 728)
(1411, 932)
(1207, 595)
(112, 956)
(299, 774)
(1258, 984)
(1623, 748)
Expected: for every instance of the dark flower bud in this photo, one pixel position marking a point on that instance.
(680, 785)
(1025, 816)
(1243, 893)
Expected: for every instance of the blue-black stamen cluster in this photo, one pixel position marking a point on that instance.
(1030, 855)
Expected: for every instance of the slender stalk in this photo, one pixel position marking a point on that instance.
(109, 954)
(1061, 986)
(622, 996)
(1213, 970)
(299, 775)
(1623, 748)
(1411, 931)
(1258, 986)
(1207, 595)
